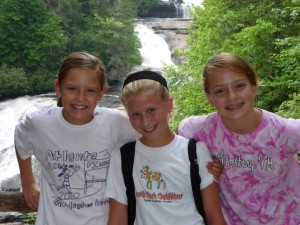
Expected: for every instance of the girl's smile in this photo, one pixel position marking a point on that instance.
(80, 92)
(148, 114)
(232, 94)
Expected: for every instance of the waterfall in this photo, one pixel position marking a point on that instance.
(155, 51)
(11, 112)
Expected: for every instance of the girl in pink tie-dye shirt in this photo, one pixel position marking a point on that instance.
(260, 183)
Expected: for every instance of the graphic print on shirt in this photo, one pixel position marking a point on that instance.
(154, 180)
(79, 175)
(265, 162)
(151, 176)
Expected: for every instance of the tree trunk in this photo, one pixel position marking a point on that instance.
(13, 202)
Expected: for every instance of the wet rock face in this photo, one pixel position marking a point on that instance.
(167, 9)
(11, 218)
(174, 31)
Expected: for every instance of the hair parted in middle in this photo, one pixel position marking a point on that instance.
(229, 61)
(157, 84)
(81, 60)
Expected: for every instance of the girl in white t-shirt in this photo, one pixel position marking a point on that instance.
(161, 171)
(73, 144)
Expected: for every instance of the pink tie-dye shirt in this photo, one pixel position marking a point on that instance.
(260, 183)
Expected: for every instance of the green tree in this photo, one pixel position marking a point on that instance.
(30, 35)
(12, 82)
(264, 32)
(144, 6)
(103, 28)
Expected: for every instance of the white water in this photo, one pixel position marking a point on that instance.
(155, 53)
(11, 112)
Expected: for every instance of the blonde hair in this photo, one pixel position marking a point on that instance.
(141, 85)
(81, 60)
(231, 62)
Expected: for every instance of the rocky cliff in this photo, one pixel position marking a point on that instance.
(174, 31)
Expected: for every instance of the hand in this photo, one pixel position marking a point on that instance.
(31, 194)
(215, 168)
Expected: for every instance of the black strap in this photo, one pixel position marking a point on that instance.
(195, 178)
(127, 159)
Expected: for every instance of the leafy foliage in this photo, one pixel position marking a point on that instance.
(30, 34)
(264, 32)
(13, 82)
(36, 35)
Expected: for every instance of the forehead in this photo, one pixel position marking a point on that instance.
(143, 99)
(220, 77)
(81, 75)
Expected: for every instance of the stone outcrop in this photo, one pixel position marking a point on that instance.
(168, 9)
(174, 31)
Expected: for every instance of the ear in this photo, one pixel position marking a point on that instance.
(57, 88)
(104, 89)
(170, 104)
(254, 88)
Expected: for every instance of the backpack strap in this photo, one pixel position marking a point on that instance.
(195, 178)
(127, 159)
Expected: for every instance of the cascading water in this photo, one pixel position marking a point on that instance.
(154, 51)
(11, 112)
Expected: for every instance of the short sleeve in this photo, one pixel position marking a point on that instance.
(188, 127)
(115, 187)
(204, 157)
(23, 137)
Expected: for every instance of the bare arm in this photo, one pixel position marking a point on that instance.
(117, 213)
(212, 205)
(31, 190)
(215, 168)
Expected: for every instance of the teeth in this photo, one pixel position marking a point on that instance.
(149, 129)
(79, 106)
(231, 107)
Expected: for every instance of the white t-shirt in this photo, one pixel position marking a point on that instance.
(74, 160)
(162, 183)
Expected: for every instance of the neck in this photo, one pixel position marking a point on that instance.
(164, 140)
(246, 125)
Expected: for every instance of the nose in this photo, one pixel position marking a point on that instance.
(231, 94)
(146, 120)
(80, 94)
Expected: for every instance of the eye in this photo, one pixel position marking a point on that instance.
(90, 91)
(135, 115)
(150, 110)
(72, 89)
(219, 91)
(240, 86)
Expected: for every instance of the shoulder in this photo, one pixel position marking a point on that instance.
(278, 122)
(195, 121)
(110, 116)
(189, 126)
(41, 115)
(108, 112)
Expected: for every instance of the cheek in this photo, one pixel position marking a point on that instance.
(134, 122)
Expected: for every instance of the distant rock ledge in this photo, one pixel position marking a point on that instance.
(174, 31)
